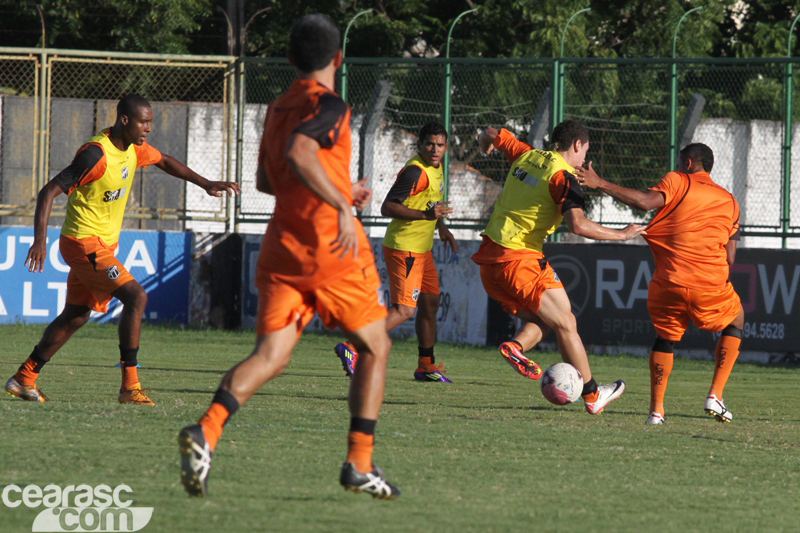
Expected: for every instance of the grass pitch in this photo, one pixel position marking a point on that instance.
(485, 453)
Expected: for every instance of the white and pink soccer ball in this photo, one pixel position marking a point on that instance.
(562, 384)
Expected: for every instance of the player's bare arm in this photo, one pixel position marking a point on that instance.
(578, 224)
(362, 195)
(262, 183)
(730, 252)
(173, 167)
(446, 236)
(642, 200)
(395, 209)
(44, 204)
(486, 140)
(301, 153)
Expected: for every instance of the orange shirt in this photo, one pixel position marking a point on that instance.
(296, 248)
(688, 235)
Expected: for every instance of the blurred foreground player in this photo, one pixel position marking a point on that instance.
(314, 256)
(98, 183)
(540, 191)
(693, 238)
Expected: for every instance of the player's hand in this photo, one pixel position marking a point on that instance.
(632, 230)
(347, 239)
(216, 188)
(447, 237)
(361, 194)
(587, 177)
(440, 210)
(36, 256)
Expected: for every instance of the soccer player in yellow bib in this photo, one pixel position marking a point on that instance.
(415, 203)
(540, 191)
(98, 183)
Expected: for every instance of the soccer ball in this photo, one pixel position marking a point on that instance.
(562, 384)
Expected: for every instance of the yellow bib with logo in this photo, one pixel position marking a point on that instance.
(97, 208)
(417, 235)
(525, 214)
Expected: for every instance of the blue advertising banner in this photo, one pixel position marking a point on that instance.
(158, 260)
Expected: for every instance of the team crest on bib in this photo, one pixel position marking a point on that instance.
(415, 294)
(113, 272)
(555, 277)
(124, 173)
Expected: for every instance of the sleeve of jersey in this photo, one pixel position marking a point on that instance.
(325, 122)
(510, 146)
(146, 155)
(88, 165)
(411, 180)
(566, 192)
(669, 186)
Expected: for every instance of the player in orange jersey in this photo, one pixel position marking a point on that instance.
(314, 256)
(415, 204)
(541, 190)
(98, 182)
(693, 238)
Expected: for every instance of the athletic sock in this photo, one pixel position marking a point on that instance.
(519, 344)
(726, 353)
(128, 362)
(360, 441)
(425, 358)
(589, 392)
(660, 369)
(29, 370)
(222, 407)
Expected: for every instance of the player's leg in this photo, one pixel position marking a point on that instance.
(712, 311)
(531, 332)
(56, 334)
(425, 325)
(134, 300)
(556, 311)
(668, 309)
(366, 396)
(282, 314)
(197, 442)
(514, 285)
(661, 357)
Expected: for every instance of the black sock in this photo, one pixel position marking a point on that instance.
(38, 359)
(128, 356)
(363, 425)
(426, 352)
(589, 387)
(226, 400)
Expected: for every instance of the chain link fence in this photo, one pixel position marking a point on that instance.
(209, 112)
(192, 121)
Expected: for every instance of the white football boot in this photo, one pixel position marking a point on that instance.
(716, 408)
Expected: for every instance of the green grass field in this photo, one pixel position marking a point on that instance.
(485, 453)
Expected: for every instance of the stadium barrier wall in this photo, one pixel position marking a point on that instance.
(607, 285)
(159, 260)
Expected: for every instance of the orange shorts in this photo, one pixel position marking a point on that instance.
(94, 272)
(410, 274)
(349, 302)
(671, 307)
(519, 284)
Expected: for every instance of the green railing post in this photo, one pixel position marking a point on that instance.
(343, 69)
(558, 112)
(673, 95)
(448, 83)
(786, 159)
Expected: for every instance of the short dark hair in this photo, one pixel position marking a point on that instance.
(431, 128)
(313, 42)
(567, 133)
(129, 103)
(701, 153)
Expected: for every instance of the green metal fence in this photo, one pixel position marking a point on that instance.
(639, 112)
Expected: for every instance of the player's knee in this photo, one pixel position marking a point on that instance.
(405, 311)
(663, 345)
(566, 324)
